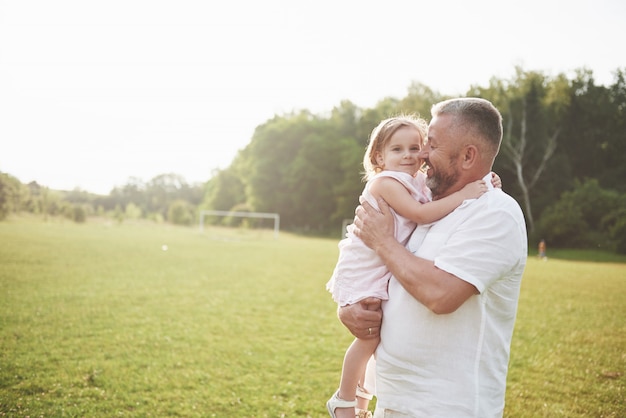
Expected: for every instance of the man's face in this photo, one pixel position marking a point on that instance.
(441, 155)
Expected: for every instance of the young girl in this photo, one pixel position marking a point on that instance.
(392, 171)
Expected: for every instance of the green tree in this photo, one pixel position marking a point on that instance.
(34, 199)
(419, 100)
(224, 190)
(164, 189)
(617, 227)
(614, 149)
(53, 202)
(134, 191)
(265, 163)
(349, 142)
(312, 179)
(596, 130)
(532, 106)
(12, 195)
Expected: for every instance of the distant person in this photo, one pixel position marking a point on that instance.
(392, 166)
(448, 320)
(542, 249)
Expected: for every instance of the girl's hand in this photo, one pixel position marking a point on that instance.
(474, 189)
(495, 180)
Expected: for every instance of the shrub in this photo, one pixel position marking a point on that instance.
(79, 214)
(562, 225)
(10, 195)
(237, 221)
(587, 216)
(616, 225)
(180, 212)
(132, 211)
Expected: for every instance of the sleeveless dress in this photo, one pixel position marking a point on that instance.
(360, 273)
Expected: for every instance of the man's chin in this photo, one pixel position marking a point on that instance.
(432, 185)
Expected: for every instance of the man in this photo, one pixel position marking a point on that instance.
(447, 328)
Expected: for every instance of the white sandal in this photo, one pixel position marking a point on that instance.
(336, 402)
(362, 393)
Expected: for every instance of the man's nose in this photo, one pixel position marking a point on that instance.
(423, 153)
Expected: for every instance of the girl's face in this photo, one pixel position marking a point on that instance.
(401, 151)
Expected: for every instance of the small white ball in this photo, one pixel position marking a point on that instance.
(164, 247)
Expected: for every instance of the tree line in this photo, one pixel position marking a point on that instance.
(562, 158)
(166, 197)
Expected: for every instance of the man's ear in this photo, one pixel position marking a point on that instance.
(470, 156)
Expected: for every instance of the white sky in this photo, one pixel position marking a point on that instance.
(95, 92)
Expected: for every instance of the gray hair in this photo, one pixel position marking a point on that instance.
(478, 117)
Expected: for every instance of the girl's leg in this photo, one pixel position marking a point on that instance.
(367, 384)
(354, 364)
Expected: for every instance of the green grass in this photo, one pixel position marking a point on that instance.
(568, 355)
(96, 320)
(585, 255)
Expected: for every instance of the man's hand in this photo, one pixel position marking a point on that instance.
(371, 226)
(363, 319)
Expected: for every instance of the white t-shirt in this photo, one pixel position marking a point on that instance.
(455, 365)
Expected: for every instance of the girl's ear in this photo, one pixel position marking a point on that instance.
(379, 159)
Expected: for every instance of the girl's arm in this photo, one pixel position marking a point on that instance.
(399, 198)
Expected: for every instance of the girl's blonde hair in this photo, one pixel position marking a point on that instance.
(382, 134)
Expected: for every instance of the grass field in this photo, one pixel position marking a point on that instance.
(97, 320)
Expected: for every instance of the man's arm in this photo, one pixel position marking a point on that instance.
(438, 290)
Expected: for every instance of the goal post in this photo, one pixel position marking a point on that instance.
(274, 216)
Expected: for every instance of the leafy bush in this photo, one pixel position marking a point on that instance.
(562, 224)
(132, 211)
(616, 225)
(79, 214)
(587, 216)
(10, 190)
(180, 212)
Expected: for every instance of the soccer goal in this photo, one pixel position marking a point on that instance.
(274, 216)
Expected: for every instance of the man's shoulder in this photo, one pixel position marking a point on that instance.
(498, 198)
(500, 206)
(495, 206)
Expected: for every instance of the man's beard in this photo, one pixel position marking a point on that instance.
(441, 182)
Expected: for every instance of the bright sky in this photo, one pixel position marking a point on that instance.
(95, 92)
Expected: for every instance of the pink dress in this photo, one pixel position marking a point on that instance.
(359, 272)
